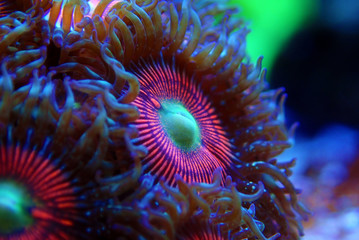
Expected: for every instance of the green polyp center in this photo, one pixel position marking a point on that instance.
(179, 125)
(14, 208)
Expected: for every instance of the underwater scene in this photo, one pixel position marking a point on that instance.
(179, 119)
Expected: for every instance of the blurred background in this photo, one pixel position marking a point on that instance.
(311, 47)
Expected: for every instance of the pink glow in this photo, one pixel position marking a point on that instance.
(162, 83)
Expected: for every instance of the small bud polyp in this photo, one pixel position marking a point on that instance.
(179, 125)
(14, 208)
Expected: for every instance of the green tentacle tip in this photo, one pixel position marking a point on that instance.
(180, 125)
(14, 208)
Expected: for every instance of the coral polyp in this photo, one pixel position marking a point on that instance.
(175, 73)
(188, 67)
(37, 196)
(44, 192)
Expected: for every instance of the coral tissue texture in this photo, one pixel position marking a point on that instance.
(138, 119)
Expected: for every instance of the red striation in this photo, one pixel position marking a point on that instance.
(159, 82)
(52, 193)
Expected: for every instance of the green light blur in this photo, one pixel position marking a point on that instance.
(179, 125)
(272, 24)
(14, 208)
